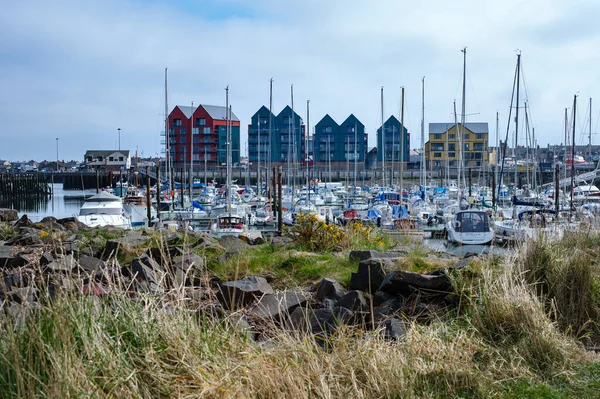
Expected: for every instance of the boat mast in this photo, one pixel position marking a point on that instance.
(355, 160)
(382, 142)
(447, 160)
(402, 150)
(497, 154)
(307, 133)
(566, 140)
(270, 139)
(590, 134)
(527, 144)
(258, 132)
(459, 164)
(517, 122)
(191, 179)
(573, 150)
(423, 166)
(167, 153)
(289, 153)
(294, 156)
(228, 143)
(463, 109)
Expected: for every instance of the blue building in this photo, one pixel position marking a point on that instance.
(338, 143)
(393, 128)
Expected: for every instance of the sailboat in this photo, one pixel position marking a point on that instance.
(230, 223)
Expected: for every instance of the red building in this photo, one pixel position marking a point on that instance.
(201, 133)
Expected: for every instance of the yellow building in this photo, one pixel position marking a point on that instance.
(443, 147)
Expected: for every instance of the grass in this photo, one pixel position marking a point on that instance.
(7, 231)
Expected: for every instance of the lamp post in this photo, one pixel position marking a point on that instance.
(119, 129)
(57, 154)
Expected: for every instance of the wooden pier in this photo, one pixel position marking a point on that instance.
(24, 185)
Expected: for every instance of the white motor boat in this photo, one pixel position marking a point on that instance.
(228, 225)
(470, 227)
(137, 208)
(104, 209)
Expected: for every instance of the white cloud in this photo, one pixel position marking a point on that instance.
(79, 70)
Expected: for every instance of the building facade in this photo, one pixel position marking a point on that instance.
(443, 148)
(393, 131)
(340, 143)
(110, 160)
(200, 133)
(286, 142)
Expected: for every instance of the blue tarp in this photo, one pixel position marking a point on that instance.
(399, 211)
(195, 204)
(373, 214)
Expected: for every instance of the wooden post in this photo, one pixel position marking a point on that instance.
(182, 179)
(470, 187)
(556, 190)
(274, 190)
(280, 208)
(493, 193)
(97, 182)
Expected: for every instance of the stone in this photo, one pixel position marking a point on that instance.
(326, 321)
(128, 242)
(404, 283)
(46, 258)
(329, 288)
(233, 294)
(26, 239)
(353, 300)
(23, 222)
(233, 244)
(7, 256)
(388, 308)
(145, 271)
(241, 324)
(8, 215)
(371, 254)
(62, 264)
(394, 329)
(23, 295)
(90, 265)
(280, 241)
(60, 284)
(380, 297)
(49, 223)
(278, 306)
(370, 274)
(252, 237)
(8, 283)
(187, 268)
(71, 223)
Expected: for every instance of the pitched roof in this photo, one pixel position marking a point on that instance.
(326, 119)
(104, 153)
(475, 127)
(351, 120)
(187, 110)
(218, 112)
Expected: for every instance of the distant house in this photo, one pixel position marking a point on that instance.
(5, 166)
(111, 160)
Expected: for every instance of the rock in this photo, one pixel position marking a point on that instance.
(46, 258)
(328, 303)
(370, 274)
(329, 288)
(353, 300)
(326, 321)
(394, 329)
(280, 241)
(241, 324)
(8, 283)
(26, 239)
(62, 264)
(404, 283)
(233, 244)
(49, 223)
(388, 308)
(233, 294)
(25, 295)
(187, 268)
(8, 215)
(128, 242)
(370, 254)
(278, 306)
(252, 237)
(146, 272)
(173, 239)
(91, 265)
(7, 256)
(60, 284)
(23, 222)
(71, 223)
(380, 297)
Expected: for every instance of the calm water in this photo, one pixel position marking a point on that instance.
(60, 205)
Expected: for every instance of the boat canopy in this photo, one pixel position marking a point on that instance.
(472, 222)
(103, 196)
(399, 211)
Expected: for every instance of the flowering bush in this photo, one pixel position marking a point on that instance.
(316, 235)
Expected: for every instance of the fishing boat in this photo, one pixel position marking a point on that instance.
(104, 209)
(137, 209)
(470, 227)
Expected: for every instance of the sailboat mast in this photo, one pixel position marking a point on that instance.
(228, 143)
(463, 109)
(590, 134)
(423, 166)
(459, 164)
(289, 154)
(447, 160)
(293, 131)
(382, 142)
(566, 140)
(402, 150)
(270, 138)
(497, 152)
(573, 150)
(191, 179)
(258, 133)
(355, 145)
(167, 149)
(307, 133)
(517, 119)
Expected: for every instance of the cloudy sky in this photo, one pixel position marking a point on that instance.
(78, 70)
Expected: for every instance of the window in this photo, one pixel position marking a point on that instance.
(182, 131)
(452, 136)
(437, 147)
(110, 159)
(479, 135)
(100, 158)
(182, 140)
(177, 122)
(478, 147)
(466, 136)
(466, 147)
(327, 129)
(183, 149)
(437, 136)
(121, 159)
(451, 154)
(452, 147)
(200, 121)
(195, 130)
(90, 159)
(437, 154)
(207, 130)
(351, 129)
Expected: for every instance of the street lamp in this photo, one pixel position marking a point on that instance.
(119, 129)
(57, 154)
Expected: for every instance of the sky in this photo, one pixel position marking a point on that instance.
(79, 70)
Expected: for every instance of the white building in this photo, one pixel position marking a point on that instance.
(107, 159)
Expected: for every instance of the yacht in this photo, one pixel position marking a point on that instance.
(137, 208)
(104, 209)
(470, 227)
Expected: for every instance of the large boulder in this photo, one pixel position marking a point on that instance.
(23, 222)
(233, 294)
(388, 308)
(26, 239)
(321, 322)
(329, 288)
(71, 223)
(278, 306)
(112, 247)
(394, 329)
(187, 268)
(50, 223)
(370, 274)
(90, 265)
(252, 237)
(7, 256)
(64, 264)
(233, 245)
(353, 300)
(147, 273)
(371, 254)
(405, 283)
(8, 215)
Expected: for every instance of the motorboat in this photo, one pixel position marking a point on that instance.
(137, 208)
(104, 209)
(228, 225)
(470, 227)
